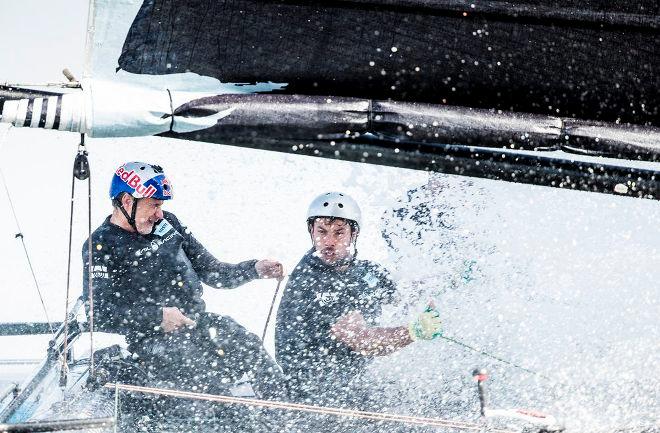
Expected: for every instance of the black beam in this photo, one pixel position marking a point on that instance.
(456, 140)
(487, 163)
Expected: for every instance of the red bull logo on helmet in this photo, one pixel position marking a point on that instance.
(167, 188)
(134, 180)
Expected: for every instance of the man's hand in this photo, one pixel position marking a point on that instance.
(174, 319)
(270, 269)
(427, 326)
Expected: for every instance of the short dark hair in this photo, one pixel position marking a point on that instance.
(352, 224)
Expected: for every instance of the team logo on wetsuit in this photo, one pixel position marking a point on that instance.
(100, 271)
(326, 298)
(162, 228)
(371, 280)
(164, 231)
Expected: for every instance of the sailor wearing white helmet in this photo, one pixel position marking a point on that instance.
(325, 331)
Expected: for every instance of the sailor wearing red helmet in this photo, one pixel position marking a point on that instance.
(147, 277)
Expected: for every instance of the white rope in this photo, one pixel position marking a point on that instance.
(116, 407)
(376, 416)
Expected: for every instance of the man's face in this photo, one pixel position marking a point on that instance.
(332, 239)
(149, 212)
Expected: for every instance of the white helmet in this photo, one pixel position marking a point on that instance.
(337, 205)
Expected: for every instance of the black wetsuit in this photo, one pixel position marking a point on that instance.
(321, 368)
(134, 276)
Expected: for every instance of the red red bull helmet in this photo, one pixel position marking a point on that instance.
(141, 180)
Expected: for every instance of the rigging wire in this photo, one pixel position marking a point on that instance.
(324, 410)
(63, 372)
(89, 252)
(497, 358)
(81, 172)
(20, 236)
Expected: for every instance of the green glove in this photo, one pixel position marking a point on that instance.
(427, 326)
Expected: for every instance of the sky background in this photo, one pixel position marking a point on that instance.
(40, 38)
(567, 281)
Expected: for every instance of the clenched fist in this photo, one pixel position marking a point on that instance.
(269, 269)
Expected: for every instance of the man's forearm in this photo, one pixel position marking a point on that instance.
(353, 331)
(380, 341)
(226, 275)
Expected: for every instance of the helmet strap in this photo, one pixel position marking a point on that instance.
(355, 250)
(131, 218)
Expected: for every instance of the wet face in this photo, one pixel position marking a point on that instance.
(332, 239)
(149, 212)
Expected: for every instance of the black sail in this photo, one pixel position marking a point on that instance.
(594, 59)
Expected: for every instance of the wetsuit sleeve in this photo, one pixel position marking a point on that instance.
(212, 271)
(114, 312)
